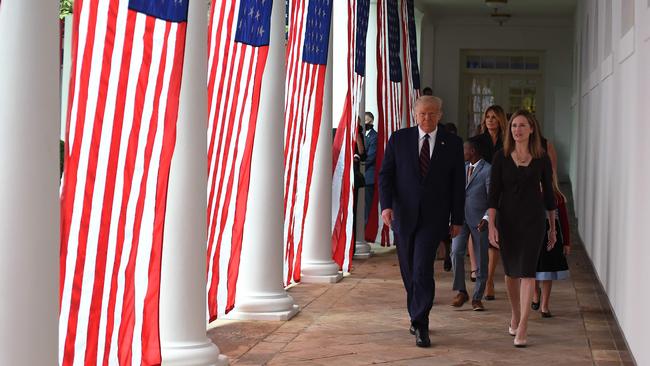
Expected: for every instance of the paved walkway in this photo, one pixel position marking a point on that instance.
(363, 320)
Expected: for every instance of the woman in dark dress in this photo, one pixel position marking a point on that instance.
(517, 217)
(491, 140)
(552, 264)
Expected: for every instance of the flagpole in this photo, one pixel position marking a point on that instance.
(260, 294)
(183, 301)
(29, 182)
(317, 264)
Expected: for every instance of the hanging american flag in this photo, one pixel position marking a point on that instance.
(345, 138)
(238, 48)
(411, 69)
(307, 51)
(127, 61)
(389, 100)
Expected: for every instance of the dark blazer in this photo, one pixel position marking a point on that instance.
(434, 200)
(370, 142)
(486, 148)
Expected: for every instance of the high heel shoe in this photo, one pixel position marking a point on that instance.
(535, 305)
(512, 332)
(519, 344)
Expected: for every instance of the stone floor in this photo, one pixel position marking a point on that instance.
(362, 320)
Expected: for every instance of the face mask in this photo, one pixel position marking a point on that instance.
(368, 126)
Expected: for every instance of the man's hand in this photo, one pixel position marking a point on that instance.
(567, 250)
(387, 216)
(482, 225)
(454, 230)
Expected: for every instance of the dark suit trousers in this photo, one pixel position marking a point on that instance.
(416, 254)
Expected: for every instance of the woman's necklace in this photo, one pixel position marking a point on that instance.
(521, 160)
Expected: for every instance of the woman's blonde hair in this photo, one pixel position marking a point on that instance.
(501, 118)
(534, 143)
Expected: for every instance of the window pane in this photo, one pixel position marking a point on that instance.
(503, 62)
(532, 63)
(473, 62)
(517, 63)
(488, 62)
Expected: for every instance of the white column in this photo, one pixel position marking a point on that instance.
(371, 61)
(29, 182)
(317, 264)
(183, 278)
(362, 249)
(260, 293)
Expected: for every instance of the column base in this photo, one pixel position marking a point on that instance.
(192, 354)
(320, 272)
(264, 306)
(362, 250)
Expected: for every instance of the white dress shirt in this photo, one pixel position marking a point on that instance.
(432, 140)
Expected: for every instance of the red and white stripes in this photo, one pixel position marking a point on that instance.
(343, 151)
(389, 119)
(120, 134)
(303, 112)
(411, 70)
(235, 75)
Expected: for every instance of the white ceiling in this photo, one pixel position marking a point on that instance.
(518, 8)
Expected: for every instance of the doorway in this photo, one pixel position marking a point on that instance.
(511, 79)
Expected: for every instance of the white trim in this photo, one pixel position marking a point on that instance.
(607, 67)
(625, 46)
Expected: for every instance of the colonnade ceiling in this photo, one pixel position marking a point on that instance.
(519, 8)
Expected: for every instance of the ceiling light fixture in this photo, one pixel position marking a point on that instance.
(500, 17)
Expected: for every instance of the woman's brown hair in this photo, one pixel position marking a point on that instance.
(535, 141)
(501, 117)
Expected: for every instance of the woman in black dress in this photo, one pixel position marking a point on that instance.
(491, 140)
(517, 217)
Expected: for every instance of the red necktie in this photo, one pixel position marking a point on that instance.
(425, 157)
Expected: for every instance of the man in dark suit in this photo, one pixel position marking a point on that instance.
(370, 142)
(422, 192)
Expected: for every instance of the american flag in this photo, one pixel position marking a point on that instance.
(345, 138)
(238, 47)
(412, 79)
(307, 51)
(389, 100)
(127, 60)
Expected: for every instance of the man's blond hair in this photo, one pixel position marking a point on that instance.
(427, 99)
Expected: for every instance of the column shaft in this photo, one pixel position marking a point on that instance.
(317, 264)
(29, 182)
(183, 279)
(260, 294)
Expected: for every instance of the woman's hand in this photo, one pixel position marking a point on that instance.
(493, 235)
(552, 239)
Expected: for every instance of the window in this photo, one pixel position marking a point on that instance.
(492, 62)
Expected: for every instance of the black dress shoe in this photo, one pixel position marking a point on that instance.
(412, 330)
(422, 338)
(546, 314)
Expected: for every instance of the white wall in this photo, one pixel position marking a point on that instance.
(608, 168)
(553, 36)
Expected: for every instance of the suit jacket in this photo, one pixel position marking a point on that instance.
(371, 156)
(434, 200)
(476, 193)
